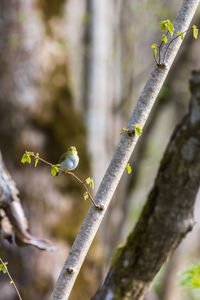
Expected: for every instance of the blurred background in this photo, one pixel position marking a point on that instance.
(71, 72)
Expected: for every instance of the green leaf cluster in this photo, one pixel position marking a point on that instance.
(128, 168)
(167, 25)
(54, 170)
(90, 182)
(2, 268)
(138, 129)
(27, 157)
(191, 277)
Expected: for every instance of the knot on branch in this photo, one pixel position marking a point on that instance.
(70, 270)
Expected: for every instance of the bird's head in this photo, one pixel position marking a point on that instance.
(72, 150)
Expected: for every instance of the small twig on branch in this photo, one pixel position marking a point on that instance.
(100, 207)
(159, 49)
(179, 35)
(26, 158)
(10, 277)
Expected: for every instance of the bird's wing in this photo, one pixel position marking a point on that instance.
(63, 157)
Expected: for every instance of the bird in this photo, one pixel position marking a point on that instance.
(69, 160)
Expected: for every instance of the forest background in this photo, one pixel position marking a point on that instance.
(71, 72)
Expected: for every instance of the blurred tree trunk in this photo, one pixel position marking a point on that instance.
(186, 254)
(167, 216)
(20, 70)
(20, 73)
(99, 83)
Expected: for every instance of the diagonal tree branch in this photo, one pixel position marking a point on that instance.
(120, 159)
(167, 216)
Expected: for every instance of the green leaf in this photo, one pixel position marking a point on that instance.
(36, 159)
(163, 25)
(138, 129)
(24, 158)
(164, 39)
(181, 34)
(170, 27)
(28, 159)
(54, 170)
(2, 268)
(28, 156)
(90, 182)
(195, 31)
(154, 47)
(85, 195)
(128, 168)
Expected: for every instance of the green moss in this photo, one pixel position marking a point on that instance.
(117, 254)
(57, 117)
(51, 8)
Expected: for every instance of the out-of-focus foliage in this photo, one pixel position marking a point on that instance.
(191, 277)
(46, 64)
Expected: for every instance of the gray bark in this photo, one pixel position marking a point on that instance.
(167, 216)
(120, 159)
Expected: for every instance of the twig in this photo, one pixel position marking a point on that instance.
(11, 280)
(155, 59)
(45, 161)
(179, 35)
(98, 206)
(160, 47)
